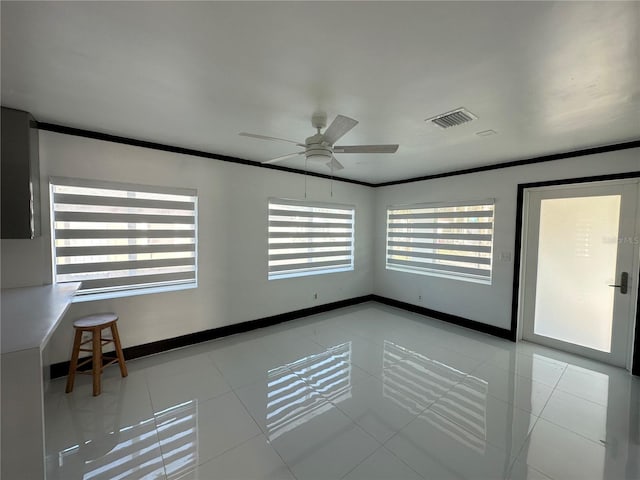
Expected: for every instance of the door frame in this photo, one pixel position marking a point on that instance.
(519, 250)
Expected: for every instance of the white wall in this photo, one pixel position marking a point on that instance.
(232, 236)
(233, 285)
(489, 304)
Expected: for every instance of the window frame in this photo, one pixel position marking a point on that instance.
(305, 272)
(109, 292)
(443, 272)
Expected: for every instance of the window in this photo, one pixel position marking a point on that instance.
(309, 239)
(121, 239)
(450, 240)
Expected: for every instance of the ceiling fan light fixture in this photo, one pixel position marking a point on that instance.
(318, 157)
(318, 152)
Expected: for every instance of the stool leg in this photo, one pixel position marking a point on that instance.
(116, 342)
(97, 360)
(74, 361)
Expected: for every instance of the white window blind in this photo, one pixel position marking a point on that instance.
(116, 237)
(309, 239)
(453, 240)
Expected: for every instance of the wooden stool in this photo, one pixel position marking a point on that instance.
(94, 324)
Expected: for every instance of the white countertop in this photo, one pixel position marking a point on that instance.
(30, 315)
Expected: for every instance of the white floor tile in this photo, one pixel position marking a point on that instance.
(195, 432)
(330, 372)
(539, 368)
(379, 408)
(328, 445)
(421, 378)
(500, 423)
(289, 348)
(128, 452)
(241, 362)
(327, 335)
(253, 460)
(317, 398)
(436, 354)
(368, 356)
(607, 425)
(562, 454)
(522, 471)
(438, 448)
(603, 387)
(81, 417)
(522, 392)
(201, 383)
(280, 402)
(175, 362)
(382, 465)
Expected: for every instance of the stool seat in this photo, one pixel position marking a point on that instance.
(94, 324)
(96, 320)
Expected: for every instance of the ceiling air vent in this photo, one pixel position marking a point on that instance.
(453, 118)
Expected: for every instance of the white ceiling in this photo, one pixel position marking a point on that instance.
(548, 77)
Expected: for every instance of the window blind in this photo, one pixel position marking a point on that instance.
(308, 239)
(115, 237)
(448, 239)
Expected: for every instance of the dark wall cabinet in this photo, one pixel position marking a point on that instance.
(20, 176)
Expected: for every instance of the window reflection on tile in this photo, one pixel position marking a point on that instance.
(457, 433)
(178, 428)
(328, 372)
(302, 390)
(467, 406)
(130, 452)
(417, 381)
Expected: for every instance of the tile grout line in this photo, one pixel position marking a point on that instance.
(538, 417)
(263, 433)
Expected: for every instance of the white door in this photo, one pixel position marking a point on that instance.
(580, 268)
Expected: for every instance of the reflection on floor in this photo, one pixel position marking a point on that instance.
(363, 392)
(415, 384)
(178, 428)
(291, 403)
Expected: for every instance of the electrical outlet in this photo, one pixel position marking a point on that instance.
(505, 256)
(315, 296)
(419, 297)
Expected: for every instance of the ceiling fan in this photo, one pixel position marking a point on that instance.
(321, 146)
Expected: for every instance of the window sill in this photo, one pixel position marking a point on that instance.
(309, 273)
(90, 297)
(433, 273)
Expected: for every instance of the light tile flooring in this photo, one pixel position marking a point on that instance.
(365, 392)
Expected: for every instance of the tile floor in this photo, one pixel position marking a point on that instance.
(366, 392)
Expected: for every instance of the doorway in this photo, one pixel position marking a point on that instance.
(580, 268)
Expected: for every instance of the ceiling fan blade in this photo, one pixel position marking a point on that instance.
(338, 128)
(264, 137)
(365, 148)
(335, 164)
(283, 157)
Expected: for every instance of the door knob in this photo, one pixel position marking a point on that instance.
(624, 283)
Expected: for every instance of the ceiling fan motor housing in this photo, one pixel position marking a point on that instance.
(318, 151)
(317, 148)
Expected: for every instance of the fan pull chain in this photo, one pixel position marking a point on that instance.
(332, 177)
(305, 177)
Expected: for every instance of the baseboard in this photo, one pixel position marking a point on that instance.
(447, 317)
(61, 369)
